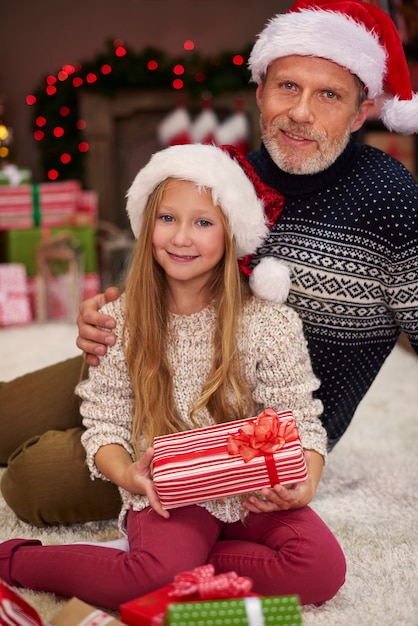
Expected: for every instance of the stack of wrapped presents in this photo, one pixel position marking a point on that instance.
(48, 250)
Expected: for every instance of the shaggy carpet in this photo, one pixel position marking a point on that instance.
(368, 494)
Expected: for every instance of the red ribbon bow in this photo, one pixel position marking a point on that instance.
(202, 581)
(264, 435)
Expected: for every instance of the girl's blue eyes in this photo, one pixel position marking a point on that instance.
(170, 218)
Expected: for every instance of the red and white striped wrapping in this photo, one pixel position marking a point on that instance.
(228, 459)
(60, 204)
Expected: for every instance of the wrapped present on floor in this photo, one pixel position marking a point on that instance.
(195, 585)
(15, 611)
(228, 459)
(269, 611)
(47, 205)
(14, 298)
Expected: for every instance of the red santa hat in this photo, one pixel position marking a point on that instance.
(220, 171)
(357, 35)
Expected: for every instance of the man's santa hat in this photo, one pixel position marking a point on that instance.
(218, 170)
(357, 35)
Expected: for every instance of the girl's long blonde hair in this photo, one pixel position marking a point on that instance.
(225, 393)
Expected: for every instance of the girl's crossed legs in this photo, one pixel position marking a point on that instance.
(286, 552)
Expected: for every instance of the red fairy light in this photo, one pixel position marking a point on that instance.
(51, 80)
(178, 70)
(58, 131)
(64, 111)
(68, 69)
(81, 124)
(38, 135)
(83, 146)
(52, 174)
(77, 81)
(51, 90)
(188, 44)
(106, 69)
(91, 78)
(30, 100)
(62, 75)
(178, 83)
(65, 158)
(40, 120)
(200, 77)
(120, 51)
(152, 65)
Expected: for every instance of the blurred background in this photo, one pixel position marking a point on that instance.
(88, 91)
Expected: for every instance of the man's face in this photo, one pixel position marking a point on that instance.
(309, 108)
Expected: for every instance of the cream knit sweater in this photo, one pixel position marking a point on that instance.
(276, 366)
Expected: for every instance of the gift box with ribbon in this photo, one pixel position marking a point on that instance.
(228, 459)
(192, 586)
(46, 205)
(14, 298)
(269, 611)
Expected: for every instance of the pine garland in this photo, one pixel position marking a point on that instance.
(55, 101)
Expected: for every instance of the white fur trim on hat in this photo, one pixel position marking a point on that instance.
(206, 166)
(326, 34)
(270, 280)
(359, 36)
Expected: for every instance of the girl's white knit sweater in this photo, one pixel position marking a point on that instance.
(276, 366)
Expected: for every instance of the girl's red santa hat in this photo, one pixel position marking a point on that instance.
(357, 35)
(219, 170)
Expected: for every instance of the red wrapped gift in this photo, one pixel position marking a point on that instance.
(228, 459)
(194, 586)
(47, 205)
(14, 610)
(14, 298)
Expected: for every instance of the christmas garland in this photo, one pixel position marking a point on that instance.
(56, 122)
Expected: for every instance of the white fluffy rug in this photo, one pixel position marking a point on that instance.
(368, 495)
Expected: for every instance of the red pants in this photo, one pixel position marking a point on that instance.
(289, 552)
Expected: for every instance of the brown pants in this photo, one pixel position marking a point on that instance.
(47, 481)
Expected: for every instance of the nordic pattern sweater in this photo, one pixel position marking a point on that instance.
(350, 235)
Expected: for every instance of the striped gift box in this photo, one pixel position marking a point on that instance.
(228, 459)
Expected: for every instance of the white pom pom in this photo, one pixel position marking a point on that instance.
(401, 116)
(270, 280)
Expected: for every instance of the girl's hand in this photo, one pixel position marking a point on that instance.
(281, 498)
(137, 479)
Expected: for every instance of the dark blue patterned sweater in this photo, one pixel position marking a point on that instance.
(350, 235)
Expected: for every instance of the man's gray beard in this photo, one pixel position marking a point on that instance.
(313, 164)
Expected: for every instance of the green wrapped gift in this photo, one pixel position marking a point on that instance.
(269, 611)
(19, 246)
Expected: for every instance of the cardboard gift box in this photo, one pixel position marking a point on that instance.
(269, 611)
(78, 613)
(14, 298)
(47, 205)
(228, 459)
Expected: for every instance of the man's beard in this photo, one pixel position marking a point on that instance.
(293, 163)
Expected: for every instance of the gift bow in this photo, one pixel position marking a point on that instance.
(264, 435)
(203, 582)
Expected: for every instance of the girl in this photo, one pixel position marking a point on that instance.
(194, 347)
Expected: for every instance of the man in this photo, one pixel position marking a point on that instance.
(348, 229)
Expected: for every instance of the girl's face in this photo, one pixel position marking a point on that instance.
(189, 236)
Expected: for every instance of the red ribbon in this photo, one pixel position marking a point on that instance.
(264, 435)
(202, 582)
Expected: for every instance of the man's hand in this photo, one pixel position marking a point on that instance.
(92, 340)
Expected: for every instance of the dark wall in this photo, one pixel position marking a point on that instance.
(39, 37)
